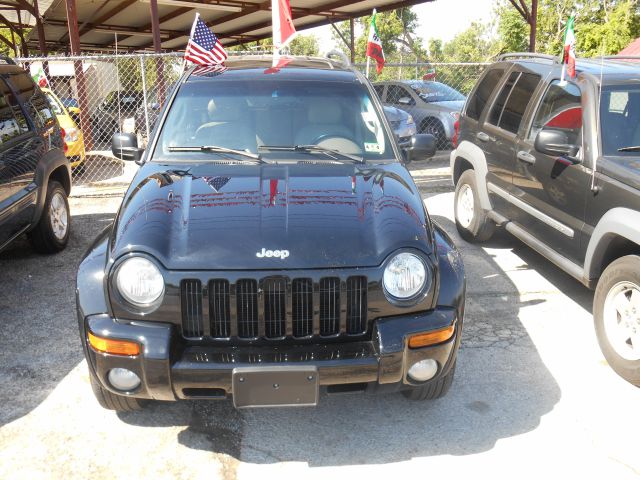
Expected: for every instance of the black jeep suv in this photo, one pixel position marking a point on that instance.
(271, 244)
(35, 177)
(557, 164)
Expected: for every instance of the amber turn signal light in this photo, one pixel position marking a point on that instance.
(114, 347)
(431, 338)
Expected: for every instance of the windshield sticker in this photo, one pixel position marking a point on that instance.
(372, 147)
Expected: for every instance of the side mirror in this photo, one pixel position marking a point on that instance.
(125, 147)
(404, 101)
(422, 146)
(553, 142)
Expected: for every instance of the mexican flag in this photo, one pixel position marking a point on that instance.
(40, 78)
(374, 45)
(569, 55)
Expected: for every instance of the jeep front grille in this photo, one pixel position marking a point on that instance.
(274, 308)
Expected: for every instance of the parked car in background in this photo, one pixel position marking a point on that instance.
(557, 164)
(115, 114)
(35, 176)
(434, 106)
(73, 137)
(271, 244)
(404, 128)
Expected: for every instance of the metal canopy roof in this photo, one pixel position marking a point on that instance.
(234, 21)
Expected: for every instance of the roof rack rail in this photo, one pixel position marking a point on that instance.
(341, 55)
(528, 55)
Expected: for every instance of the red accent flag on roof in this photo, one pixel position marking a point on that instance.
(283, 29)
(374, 45)
(204, 48)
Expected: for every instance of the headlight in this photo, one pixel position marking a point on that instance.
(139, 281)
(404, 276)
(71, 135)
(410, 119)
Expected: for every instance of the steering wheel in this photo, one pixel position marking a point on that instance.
(337, 142)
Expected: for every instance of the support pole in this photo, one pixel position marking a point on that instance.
(352, 47)
(74, 40)
(144, 95)
(157, 48)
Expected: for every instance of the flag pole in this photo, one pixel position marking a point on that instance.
(368, 64)
(193, 27)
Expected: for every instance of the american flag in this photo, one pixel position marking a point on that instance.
(204, 48)
(208, 70)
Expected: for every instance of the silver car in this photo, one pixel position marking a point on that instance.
(434, 106)
(402, 124)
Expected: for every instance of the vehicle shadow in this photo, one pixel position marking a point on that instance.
(502, 389)
(39, 342)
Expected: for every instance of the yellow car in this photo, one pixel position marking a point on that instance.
(73, 135)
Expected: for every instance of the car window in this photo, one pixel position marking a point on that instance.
(560, 108)
(479, 99)
(33, 100)
(9, 127)
(620, 119)
(379, 90)
(512, 101)
(243, 114)
(396, 92)
(436, 92)
(13, 102)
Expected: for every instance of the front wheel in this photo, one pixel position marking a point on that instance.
(472, 222)
(435, 128)
(616, 315)
(51, 234)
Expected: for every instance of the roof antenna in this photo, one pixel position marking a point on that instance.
(595, 188)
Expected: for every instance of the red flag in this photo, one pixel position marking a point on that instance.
(374, 45)
(283, 29)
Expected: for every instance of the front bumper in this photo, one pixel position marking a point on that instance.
(171, 369)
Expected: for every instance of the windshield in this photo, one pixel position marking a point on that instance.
(55, 106)
(251, 115)
(620, 119)
(436, 92)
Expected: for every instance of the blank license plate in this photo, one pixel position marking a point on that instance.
(275, 386)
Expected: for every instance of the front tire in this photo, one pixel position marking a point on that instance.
(432, 390)
(616, 315)
(51, 234)
(435, 128)
(111, 401)
(472, 222)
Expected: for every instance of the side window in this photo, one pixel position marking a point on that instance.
(379, 90)
(33, 100)
(9, 127)
(395, 93)
(13, 102)
(560, 108)
(512, 101)
(479, 99)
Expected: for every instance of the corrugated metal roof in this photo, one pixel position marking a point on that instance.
(632, 49)
(234, 21)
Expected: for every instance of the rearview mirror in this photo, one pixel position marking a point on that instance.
(422, 146)
(125, 147)
(554, 142)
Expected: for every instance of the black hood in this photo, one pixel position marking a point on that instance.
(220, 217)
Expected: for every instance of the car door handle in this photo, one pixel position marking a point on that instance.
(483, 137)
(526, 157)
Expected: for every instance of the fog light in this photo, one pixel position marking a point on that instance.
(423, 370)
(123, 379)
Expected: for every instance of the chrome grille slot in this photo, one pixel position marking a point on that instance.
(247, 308)
(191, 302)
(356, 305)
(302, 307)
(275, 307)
(219, 308)
(329, 306)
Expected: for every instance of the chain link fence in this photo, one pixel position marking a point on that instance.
(97, 96)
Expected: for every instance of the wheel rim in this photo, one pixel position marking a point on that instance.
(464, 206)
(621, 319)
(59, 216)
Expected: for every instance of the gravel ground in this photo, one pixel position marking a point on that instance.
(532, 397)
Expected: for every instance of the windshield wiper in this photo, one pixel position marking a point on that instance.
(311, 149)
(216, 149)
(630, 149)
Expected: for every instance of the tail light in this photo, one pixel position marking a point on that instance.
(63, 134)
(456, 133)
